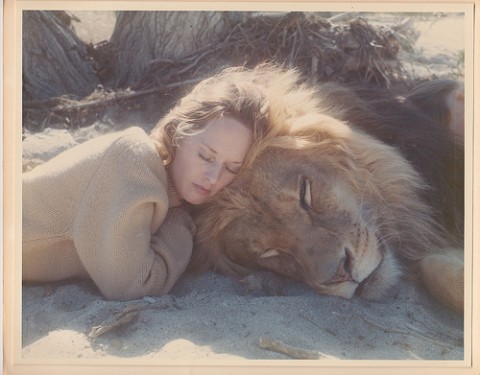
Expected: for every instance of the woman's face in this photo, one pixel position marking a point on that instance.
(206, 162)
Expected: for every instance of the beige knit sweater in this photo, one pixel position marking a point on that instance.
(100, 210)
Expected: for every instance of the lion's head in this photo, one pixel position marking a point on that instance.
(327, 205)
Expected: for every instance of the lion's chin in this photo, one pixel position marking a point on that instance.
(373, 288)
(381, 280)
(344, 289)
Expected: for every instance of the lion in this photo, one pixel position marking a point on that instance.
(344, 203)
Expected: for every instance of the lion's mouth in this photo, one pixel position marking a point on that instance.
(343, 274)
(362, 285)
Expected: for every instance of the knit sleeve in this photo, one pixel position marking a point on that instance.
(176, 232)
(128, 242)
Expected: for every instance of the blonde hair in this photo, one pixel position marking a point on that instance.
(264, 98)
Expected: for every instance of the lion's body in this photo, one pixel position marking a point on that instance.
(353, 195)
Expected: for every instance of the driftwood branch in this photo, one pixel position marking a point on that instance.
(122, 319)
(65, 107)
(68, 110)
(291, 351)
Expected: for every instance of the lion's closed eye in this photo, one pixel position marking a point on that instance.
(305, 193)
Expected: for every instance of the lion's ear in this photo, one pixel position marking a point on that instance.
(208, 256)
(226, 266)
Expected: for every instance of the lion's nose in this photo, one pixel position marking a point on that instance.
(348, 260)
(345, 267)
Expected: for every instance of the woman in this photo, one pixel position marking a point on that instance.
(114, 209)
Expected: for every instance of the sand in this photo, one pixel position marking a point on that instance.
(216, 318)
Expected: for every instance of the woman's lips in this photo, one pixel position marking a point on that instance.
(201, 190)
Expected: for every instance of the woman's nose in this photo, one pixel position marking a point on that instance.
(213, 173)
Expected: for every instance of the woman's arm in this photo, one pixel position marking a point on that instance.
(128, 241)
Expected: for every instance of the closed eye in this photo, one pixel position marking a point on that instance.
(233, 169)
(206, 157)
(305, 193)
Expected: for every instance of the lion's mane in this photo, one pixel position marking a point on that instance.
(384, 161)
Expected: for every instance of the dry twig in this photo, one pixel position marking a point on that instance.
(116, 321)
(121, 319)
(291, 351)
